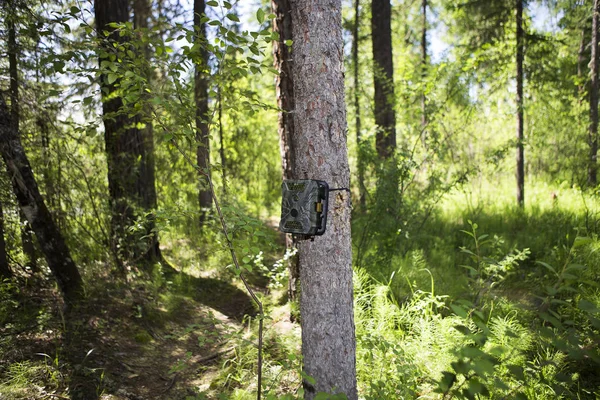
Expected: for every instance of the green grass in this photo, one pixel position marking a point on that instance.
(451, 318)
(443, 317)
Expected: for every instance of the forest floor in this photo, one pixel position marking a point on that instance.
(129, 342)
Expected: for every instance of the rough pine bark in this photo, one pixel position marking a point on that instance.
(319, 142)
(126, 148)
(284, 84)
(32, 204)
(141, 14)
(593, 130)
(385, 116)
(201, 74)
(4, 267)
(520, 175)
(362, 189)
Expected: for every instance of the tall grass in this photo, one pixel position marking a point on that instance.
(471, 310)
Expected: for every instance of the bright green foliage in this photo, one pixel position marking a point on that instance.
(457, 294)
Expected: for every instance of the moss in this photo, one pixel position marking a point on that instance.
(143, 337)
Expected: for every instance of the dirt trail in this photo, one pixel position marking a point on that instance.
(126, 344)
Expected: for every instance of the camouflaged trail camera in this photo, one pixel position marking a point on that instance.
(304, 207)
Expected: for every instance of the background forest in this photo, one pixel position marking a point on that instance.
(143, 140)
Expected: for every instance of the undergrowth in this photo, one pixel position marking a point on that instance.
(485, 302)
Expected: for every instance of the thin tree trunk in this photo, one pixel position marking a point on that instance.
(4, 267)
(423, 66)
(362, 189)
(385, 116)
(126, 151)
(13, 72)
(520, 156)
(42, 124)
(27, 243)
(32, 204)
(201, 99)
(593, 131)
(319, 142)
(580, 63)
(221, 142)
(15, 112)
(141, 14)
(284, 83)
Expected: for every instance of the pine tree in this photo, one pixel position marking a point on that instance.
(319, 142)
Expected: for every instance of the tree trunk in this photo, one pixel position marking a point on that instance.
(423, 66)
(4, 267)
(520, 156)
(13, 71)
(201, 73)
(362, 189)
(141, 13)
(15, 113)
(126, 151)
(32, 204)
(580, 63)
(27, 243)
(221, 141)
(385, 116)
(319, 142)
(593, 132)
(284, 84)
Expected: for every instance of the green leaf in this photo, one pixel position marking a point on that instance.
(587, 306)
(462, 329)
(581, 241)
(472, 352)
(260, 15)
(517, 371)
(112, 78)
(500, 384)
(476, 387)
(547, 266)
(448, 379)
(59, 66)
(311, 381)
(458, 310)
(554, 321)
(576, 267)
(461, 367)
(483, 367)
(212, 3)
(233, 17)
(288, 42)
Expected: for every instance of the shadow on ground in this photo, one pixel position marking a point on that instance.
(123, 342)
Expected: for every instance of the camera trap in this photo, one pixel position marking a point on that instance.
(304, 207)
